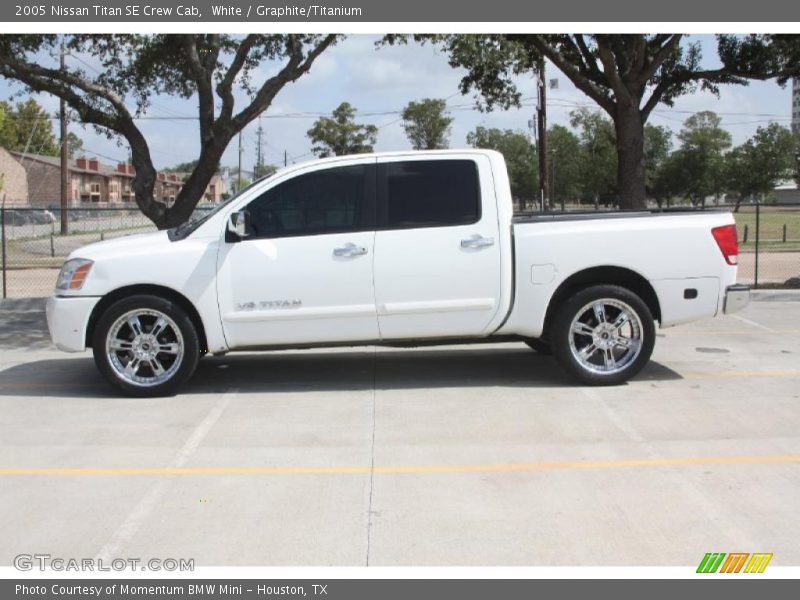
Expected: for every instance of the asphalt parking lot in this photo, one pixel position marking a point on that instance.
(469, 455)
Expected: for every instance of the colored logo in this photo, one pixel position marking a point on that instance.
(735, 562)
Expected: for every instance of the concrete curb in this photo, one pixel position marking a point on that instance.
(23, 304)
(775, 295)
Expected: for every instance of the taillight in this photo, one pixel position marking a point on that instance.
(725, 237)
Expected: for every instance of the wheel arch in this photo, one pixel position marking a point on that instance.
(608, 275)
(154, 290)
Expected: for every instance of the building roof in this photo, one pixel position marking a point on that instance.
(55, 161)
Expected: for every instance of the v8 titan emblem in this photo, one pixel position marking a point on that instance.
(269, 305)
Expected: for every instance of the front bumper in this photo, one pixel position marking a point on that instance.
(736, 298)
(67, 319)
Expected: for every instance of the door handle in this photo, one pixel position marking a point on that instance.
(477, 241)
(349, 250)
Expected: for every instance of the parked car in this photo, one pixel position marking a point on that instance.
(387, 248)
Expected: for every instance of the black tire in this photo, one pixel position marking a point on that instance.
(177, 374)
(577, 307)
(540, 345)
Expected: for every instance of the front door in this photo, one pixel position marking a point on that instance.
(304, 273)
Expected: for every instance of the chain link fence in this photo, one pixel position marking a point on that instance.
(33, 248)
(769, 244)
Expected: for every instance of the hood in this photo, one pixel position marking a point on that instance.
(126, 245)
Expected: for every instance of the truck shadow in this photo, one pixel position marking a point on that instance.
(320, 371)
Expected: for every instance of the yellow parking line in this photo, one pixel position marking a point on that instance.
(740, 374)
(409, 469)
(712, 332)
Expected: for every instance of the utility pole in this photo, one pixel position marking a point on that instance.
(239, 170)
(259, 158)
(541, 129)
(62, 117)
(285, 159)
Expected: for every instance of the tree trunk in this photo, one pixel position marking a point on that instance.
(192, 190)
(630, 157)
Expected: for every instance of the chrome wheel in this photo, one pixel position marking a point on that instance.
(144, 347)
(606, 336)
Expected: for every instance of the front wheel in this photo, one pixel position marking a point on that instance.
(603, 335)
(146, 346)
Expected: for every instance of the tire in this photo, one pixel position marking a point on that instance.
(540, 345)
(589, 344)
(133, 359)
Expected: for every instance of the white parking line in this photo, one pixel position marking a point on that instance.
(754, 324)
(125, 532)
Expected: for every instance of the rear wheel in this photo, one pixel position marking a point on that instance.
(146, 346)
(603, 335)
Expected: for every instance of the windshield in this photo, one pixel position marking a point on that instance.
(201, 215)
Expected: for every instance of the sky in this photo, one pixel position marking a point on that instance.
(384, 80)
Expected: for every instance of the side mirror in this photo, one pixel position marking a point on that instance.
(238, 226)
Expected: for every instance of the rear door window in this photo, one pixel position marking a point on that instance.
(429, 193)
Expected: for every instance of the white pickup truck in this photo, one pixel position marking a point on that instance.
(413, 247)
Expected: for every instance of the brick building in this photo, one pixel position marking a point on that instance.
(92, 183)
(14, 180)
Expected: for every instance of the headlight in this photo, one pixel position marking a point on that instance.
(73, 274)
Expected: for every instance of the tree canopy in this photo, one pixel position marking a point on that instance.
(627, 75)
(565, 164)
(598, 156)
(520, 157)
(426, 124)
(339, 134)
(27, 126)
(130, 70)
(762, 162)
(74, 145)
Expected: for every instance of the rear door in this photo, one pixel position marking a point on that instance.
(437, 248)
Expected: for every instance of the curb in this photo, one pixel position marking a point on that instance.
(23, 304)
(775, 295)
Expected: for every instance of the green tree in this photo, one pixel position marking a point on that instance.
(184, 167)
(264, 170)
(657, 146)
(240, 183)
(627, 75)
(74, 145)
(703, 145)
(763, 161)
(426, 124)
(797, 157)
(670, 179)
(339, 134)
(27, 125)
(598, 157)
(564, 164)
(211, 69)
(520, 157)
